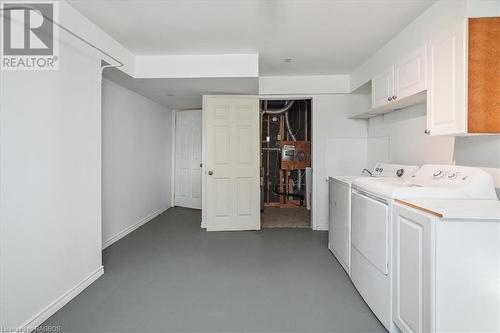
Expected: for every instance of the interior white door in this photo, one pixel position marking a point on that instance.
(231, 125)
(188, 159)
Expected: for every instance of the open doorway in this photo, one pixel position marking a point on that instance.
(286, 173)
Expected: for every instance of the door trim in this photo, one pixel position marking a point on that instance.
(314, 159)
(314, 155)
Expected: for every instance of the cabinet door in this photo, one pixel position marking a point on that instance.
(383, 88)
(411, 270)
(446, 100)
(483, 75)
(409, 74)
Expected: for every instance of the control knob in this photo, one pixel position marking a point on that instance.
(438, 174)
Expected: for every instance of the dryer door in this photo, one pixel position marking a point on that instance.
(370, 229)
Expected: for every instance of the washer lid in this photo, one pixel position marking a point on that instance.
(348, 180)
(381, 186)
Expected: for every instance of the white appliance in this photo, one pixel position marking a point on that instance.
(339, 231)
(339, 219)
(371, 227)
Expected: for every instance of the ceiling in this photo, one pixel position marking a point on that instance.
(181, 94)
(320, 37)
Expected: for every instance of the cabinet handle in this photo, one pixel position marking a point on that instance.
(394, 97)
(427, 131)
(389, 98)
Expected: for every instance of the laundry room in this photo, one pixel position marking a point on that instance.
(250, 166)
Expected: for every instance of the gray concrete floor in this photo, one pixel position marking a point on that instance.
(274, 217)
(171, 276)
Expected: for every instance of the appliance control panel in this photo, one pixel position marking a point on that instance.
(434, 175)
(460, 181)
(448, 175)
(393, 170)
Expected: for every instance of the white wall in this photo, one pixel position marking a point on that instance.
(398, 137)
(339, 145)
(196, 66)
(137, 160)
(50, 186)
(305, 84)
(479, 151)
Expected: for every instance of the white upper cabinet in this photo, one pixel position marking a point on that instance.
(383, 88)
(446, 102)
(464, 85)
(454, 71)
(409, 75)
(401, 84)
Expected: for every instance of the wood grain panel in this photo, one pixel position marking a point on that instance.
(425, 210)
(484, 75)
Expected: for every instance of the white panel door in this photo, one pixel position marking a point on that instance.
(446, 100)
(409, 75)
(412, 270)
(188, 159)
(383, 88)
(231, 126)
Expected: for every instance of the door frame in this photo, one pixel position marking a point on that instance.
(174, 156)
(314, 159)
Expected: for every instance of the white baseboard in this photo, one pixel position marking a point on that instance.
(203, 224)
(42, 316)
(131, 228)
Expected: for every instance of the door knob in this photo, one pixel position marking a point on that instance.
(427, 131)
(210, 172)
(394, 97)
(389, 98)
